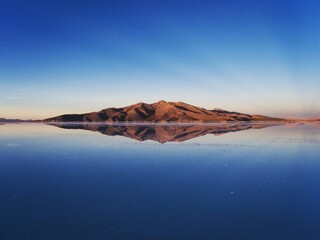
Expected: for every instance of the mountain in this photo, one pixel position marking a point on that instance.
(163, 133)
(161, 111)
(4, 120)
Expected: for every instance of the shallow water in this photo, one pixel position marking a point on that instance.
(204, 182)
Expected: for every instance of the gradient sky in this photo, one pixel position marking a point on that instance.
(77, 56)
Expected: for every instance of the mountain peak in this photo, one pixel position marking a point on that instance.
(161, 102)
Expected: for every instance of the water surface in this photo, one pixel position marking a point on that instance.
(142, 182)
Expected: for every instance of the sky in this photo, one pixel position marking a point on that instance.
(251, 56)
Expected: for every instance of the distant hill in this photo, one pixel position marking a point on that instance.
(161, 111)
(4, 120)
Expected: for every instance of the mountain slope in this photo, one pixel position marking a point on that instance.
(161, 111)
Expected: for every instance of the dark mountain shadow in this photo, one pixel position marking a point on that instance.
(163, 133)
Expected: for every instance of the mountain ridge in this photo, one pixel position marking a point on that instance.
(161, 111)
(5, 120)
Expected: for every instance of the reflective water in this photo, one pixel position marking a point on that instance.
(159, 182)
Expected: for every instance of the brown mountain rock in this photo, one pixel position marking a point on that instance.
(161, 111)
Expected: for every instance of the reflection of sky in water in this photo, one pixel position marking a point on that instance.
(77, 184)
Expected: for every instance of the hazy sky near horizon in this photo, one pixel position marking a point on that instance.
(258, 57)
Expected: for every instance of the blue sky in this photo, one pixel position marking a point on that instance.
(77, 56)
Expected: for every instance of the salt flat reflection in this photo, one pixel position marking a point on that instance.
(163, 133)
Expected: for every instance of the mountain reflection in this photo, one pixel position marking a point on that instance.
(163, 133)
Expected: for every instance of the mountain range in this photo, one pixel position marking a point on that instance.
(5, 120)
(159, 112)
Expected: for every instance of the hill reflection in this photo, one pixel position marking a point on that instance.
(163, 133)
